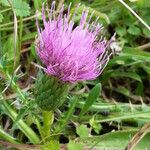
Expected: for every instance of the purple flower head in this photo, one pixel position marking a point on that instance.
(71, 53)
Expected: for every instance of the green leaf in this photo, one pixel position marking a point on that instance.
(21, 114)
(5, 3)
(62, 122)
(37, 4)
(131, 75)
(143, 3)
(95, 125)
(32, 136)
(123, 91)
(113, 15)
(7, 137)
(101, 15)
(136, 54)
(130, 56)
(146, 68)
(82, 131)
(121, 31)
(74, 146)
(29, 36)
(96, 14)
(8, 47)
(117, 140)
(134, 30)
(140, 89)
(93, 95)
(133, 1)
(146, 32)
(1, 18)
(22, 9)
(33, 51)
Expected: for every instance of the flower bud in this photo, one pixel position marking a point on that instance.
(50, 93)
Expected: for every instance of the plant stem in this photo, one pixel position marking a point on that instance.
(48, 117)
(134, 13)
(25, 19)
(20, 40)
(50, 142)
(2, 11)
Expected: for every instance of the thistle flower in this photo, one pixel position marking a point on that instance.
(71, 53)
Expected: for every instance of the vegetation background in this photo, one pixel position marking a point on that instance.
(88, 119)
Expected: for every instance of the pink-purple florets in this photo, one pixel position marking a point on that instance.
(71, 53)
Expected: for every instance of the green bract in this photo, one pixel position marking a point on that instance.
(50, 92)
